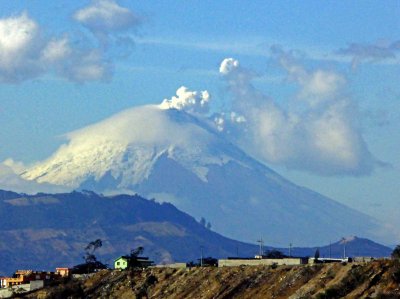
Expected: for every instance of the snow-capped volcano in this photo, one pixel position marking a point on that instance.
(127, 146)
(172, 155)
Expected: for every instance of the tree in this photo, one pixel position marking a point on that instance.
(133, 257)
(396, 252)
(133, 267)
(91, 263)
(316, 254)
(203, 221)
(90, 249)
(275, 254)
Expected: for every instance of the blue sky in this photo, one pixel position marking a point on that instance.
(145, 50)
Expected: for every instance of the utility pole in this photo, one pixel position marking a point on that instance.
(344, 248)
(330, 249)
(261, 246)
(290, 250)
(201, 256)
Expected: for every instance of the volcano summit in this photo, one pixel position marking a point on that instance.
(174, 156)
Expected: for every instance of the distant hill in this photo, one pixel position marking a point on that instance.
(51, 230)
(351, 246)
(45, 231)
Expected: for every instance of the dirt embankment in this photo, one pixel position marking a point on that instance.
(378, 279)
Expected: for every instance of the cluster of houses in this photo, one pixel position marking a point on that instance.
(24, 277)
(122, 262)
(28, 280)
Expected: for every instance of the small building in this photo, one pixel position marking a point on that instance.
(3, 282)
(25, 277)
(257, 261)
(63, 272)
(326, 260)
(121, 262)
(124, 262)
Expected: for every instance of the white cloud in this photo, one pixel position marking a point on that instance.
(104, 16)
(19, 36)
(228, 65)
(232, 71)
(317, 85)
(318, 132)
(190, 101)
(56, 50)
(26, 53)
(16, 34)
(10, 179)
(322, 83)
(87, 66)
(110, 24)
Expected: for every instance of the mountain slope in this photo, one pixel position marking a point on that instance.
(350, 246)
(51, 230)
(172, 156)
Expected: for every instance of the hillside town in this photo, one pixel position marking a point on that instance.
(25, 281)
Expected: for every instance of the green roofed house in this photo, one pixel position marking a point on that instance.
(124, 261)
(121, 262)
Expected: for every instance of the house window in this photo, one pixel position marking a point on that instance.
(117, 263)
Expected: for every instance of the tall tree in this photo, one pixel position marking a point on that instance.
(91, 263)
(316, 254)
(396, 252)
(90, 250)
(133, 257)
